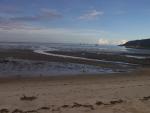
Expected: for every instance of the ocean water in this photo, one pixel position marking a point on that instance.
(72, 47)
(38, 68)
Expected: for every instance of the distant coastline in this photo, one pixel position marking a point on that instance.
(138, 44)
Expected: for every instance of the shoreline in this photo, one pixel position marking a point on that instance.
(145, 71)
(26, 63)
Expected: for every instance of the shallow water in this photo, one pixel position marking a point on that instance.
(72, 47)
(28, 68)
(38, 68)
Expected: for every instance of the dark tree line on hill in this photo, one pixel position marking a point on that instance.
(144, 43)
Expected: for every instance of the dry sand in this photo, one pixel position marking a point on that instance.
(111, 93)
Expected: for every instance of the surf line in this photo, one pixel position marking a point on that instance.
(79, 58)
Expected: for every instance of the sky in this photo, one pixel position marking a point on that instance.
(74, 21)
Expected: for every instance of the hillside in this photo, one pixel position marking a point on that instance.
(144, 43)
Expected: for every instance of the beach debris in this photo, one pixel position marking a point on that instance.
(31, 111)
(28, 98)
(17, 111)
(99, 103)
(146, 98)
(65, 106)
(82, 105)
(44, 108)
(116, 102)
(58, 108)
(76, 105)
(89, 106)
(4, 111)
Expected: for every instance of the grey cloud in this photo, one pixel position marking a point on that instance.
(20, 22)
(90, 15)
(6, 24)
(43, 15)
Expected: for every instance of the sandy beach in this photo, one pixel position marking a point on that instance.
(111, 93)
(115, 91)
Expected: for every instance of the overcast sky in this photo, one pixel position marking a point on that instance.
(74, 21)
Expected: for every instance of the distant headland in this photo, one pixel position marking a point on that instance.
(139, 44)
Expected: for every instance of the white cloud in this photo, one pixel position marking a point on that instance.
(122, 41)
(90, 15)
(103, 41)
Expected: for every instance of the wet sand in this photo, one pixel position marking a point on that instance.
(111, 93)
(95, 60)
(132, 58)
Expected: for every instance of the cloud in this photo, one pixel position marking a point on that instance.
(20, 22)
(45, 14)
(102, 41)
(7, 24)
(90, 15)
(122, 41)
